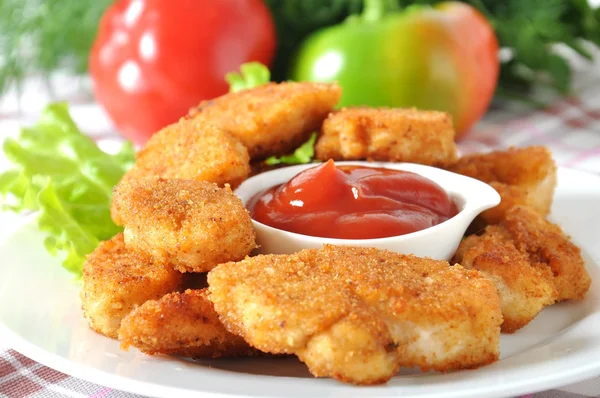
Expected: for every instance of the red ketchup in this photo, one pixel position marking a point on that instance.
(353, 202)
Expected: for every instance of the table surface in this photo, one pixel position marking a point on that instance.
(570, 127)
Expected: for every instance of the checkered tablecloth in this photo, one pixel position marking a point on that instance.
(569, 127)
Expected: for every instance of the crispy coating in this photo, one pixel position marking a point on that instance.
(181, 324)
(522, 176)
(531, 262)
(524, 289)
(396, 135)
(272, 119)
(359, 314)
(193, 225)
(193, 150)
(546, 244)
(510, 196)
(116, 280)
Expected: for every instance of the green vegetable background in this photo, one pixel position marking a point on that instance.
(529, 28)
(32, 42)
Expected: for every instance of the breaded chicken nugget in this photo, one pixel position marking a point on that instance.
(359, 314)
(531, 262)
(116, 280)
(547, 245)
(193, 225)
(510, 195)
(532, 170)
(181, 324)
(524, 289)
(396, 135)
(192, 150)
(272, 119)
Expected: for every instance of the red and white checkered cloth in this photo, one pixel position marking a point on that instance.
(570, 128)
(21, 377)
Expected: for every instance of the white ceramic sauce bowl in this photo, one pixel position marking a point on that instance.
(439, 242)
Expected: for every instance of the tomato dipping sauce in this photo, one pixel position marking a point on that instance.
(353, 202)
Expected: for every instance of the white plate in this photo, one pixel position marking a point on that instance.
(40, 316)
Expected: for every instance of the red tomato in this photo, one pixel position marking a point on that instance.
(154, 59)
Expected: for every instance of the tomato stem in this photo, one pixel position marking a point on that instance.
(374, 10)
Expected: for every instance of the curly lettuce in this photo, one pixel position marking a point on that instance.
(303, 154)
(59, 173)
(252, 74)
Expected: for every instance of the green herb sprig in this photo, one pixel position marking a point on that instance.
(40, 36)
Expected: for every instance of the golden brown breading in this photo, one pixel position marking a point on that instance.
(396, 135)
(359, 314)
(193, 225)
(181, 324)
(193, 150)
(272, 119)
(524, 289)
(546, 244)
(532, 170)
(510, 195)
(116, 280)
(531, 262)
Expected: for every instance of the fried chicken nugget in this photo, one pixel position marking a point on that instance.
(359, 314)
(193, 225)
(531, 262)
(524, 289)
(192, 150)
(181, 324)
(116, 280)
(546, 244)
(522, 176)
(510, 196)
(396, 135)
(271, 119)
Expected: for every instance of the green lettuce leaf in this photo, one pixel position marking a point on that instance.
(303, 154)
(252, 74)
(60, 173)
